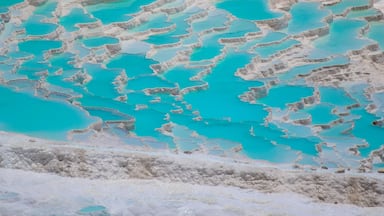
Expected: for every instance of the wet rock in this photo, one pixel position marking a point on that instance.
(36, 2)
(340, 170)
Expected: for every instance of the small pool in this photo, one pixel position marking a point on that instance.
(35, 27)
(343, 37)
(376, 32)
(307, 16)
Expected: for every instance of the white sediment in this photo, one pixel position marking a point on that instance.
(101, 160)
(31, 193)
(379, 4)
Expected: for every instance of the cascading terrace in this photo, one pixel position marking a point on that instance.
(293, 82)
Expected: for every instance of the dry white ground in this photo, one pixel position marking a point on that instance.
(33, 193)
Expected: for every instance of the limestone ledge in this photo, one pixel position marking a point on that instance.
(239, 40)
(306, 101)
(141, 17)
(256, 69)
(267, 67)
(181, 56)
(255, 93)
(179, 8)
(50, 36)
(377, 17)
(330, 2)
(376, 156)
(211, 64)
(197, 16)
(187, 90)
(277, 23)
(353, 8)
(270, 43)
(36, 2)
(156, 4)
(20, 81)
(19, 6)
(126, 123)
(303, 121)
(91, 25)
(5, 17)
(92, 2)
(203, 73)
(335, 75)
(64, 96)
(191, 19)
(316, 32)
(169, 45)
(172, 91)
(284, 5)
(120, 82)
(89, 161)
(48, 54)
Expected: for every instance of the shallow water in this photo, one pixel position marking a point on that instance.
(51, 119)
(244, 10)
(343, 37)
(177, 73)
(376, 32)
(307, 16)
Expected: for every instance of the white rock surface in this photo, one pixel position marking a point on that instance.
(45, 194)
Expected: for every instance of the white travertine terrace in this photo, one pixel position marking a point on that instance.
(109, 162)
(108, 159)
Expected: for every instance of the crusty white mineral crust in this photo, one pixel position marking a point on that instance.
(114, 162)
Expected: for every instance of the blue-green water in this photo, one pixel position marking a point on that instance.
(311, 12)
(116, 11)
(99, 41)
(372, 12)
(24, 113)
(376, 32)
(35, 27)
(94, 210)
(343, 37)
(10, 3)
(75, 17)
(39, 47)
(212, 77)
(344, 6)
(249, 9)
